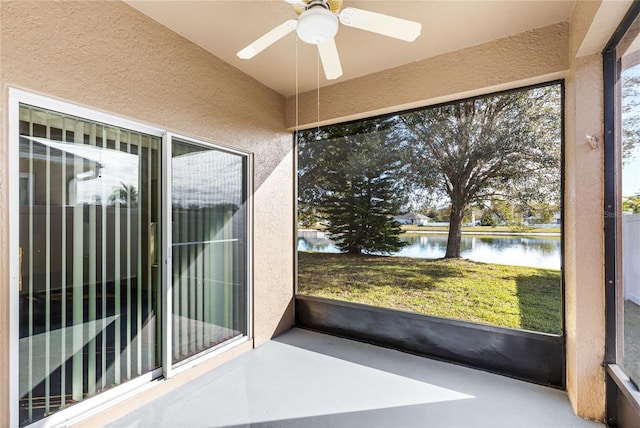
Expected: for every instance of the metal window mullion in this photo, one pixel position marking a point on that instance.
(166, 287)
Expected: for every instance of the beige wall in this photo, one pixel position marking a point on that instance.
(107, 56)
(531, 57)
(591, 26)
(584, 240)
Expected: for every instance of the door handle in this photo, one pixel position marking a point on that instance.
(19, 268)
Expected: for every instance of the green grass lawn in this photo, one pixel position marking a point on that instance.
(509, 296)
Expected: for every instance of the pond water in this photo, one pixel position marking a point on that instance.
(533, 251)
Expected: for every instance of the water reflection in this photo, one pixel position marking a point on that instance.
(543, 252)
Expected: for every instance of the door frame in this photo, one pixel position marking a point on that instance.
(17, 97)
(169, 368)
(622, 395)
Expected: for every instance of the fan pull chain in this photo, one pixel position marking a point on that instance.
(297, 96)
(318, 94)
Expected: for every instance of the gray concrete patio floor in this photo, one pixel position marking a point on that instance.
(307, 379)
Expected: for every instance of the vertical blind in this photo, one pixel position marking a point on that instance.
(89, 295)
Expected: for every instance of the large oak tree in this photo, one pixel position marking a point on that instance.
(504, 146)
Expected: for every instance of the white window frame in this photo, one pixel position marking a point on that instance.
(112, 396)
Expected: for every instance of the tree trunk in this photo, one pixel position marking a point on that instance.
(455, 233)
(355, 251)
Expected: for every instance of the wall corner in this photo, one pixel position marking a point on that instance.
(584, 239)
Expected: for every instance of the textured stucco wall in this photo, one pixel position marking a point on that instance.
(107, 56)
(581, 19)
(531, 57)
(584, 240)
(584, 222)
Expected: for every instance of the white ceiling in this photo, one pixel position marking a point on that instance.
(225, 27)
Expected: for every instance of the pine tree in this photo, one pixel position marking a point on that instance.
(352, 177)
(359, 212)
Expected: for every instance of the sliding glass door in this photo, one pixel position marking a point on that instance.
(89, 283)
(209, 247)
(131, 255)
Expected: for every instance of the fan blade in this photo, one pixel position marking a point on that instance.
(382, 24)
(330, 59)
(268, 39)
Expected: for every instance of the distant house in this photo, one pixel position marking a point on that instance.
(537, 221)
(412, 218)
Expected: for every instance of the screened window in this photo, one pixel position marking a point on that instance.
(453, 210)
(628, 121)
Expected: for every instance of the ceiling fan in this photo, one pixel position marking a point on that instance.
(317, 24)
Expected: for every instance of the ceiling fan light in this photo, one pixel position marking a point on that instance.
(317, 25)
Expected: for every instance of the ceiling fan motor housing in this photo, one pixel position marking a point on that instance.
(317, 23)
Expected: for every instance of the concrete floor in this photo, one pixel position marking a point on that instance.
(306, 379)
